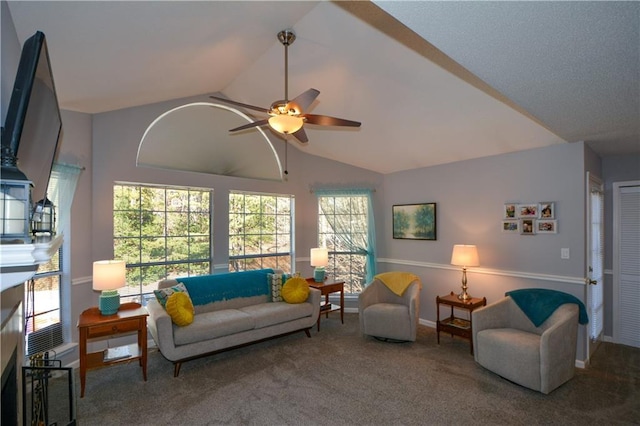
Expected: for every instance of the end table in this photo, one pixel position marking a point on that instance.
(326, 288)
(91, 324)
(454, 325)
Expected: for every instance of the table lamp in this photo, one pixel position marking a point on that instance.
(319, 259)
(109, 276)
(464, 255)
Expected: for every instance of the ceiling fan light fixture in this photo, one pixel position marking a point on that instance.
(286, 124)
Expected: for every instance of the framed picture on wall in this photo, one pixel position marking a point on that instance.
(528, 210)
(510, 226)
(509, 211)
(547, 210)
(414, 221)
(527, 227)
(546, 226)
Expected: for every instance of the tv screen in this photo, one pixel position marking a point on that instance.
(33, 125)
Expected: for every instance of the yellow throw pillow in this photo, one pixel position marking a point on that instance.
(295, 290)
(180, 308)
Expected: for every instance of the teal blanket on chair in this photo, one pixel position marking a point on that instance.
(539, 303)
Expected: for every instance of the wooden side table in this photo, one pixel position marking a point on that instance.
(327, 288)
(454, 325)
(92, 324)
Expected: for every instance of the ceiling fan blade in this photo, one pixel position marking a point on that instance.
(325, 120)
(240, 104)
(301, 135)
(304, 100)
(250, 125)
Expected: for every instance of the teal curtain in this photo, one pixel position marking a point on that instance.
(354, 241)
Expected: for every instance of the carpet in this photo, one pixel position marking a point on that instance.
(338, 377)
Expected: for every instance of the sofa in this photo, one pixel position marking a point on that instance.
(229, 310)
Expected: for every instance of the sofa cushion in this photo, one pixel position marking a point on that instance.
(266, 314)
(214, 324)
(163, 294)
(180, 309)
(275, 282)
(295, 290)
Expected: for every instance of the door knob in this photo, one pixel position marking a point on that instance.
(592, 282)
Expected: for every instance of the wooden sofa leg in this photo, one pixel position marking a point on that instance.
(306, 330)
(176, 368)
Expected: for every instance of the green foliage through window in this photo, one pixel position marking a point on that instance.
(260, 231)
(160, 232)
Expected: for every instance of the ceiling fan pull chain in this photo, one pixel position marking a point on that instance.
(286, 145)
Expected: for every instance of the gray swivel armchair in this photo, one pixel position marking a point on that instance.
(387, 316)
(539, 357)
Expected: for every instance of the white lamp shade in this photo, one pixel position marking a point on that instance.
(465, 255)
(319, 257)
(109, 274)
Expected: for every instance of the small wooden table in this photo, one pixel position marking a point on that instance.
(92, 324)
(327, 288)
(457, 326)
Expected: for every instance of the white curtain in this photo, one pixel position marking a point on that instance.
(61, 189)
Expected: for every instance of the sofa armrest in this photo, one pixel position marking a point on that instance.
(160, 327)
(314, 298)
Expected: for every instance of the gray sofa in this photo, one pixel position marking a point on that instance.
(228, 317)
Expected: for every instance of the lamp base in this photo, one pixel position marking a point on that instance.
(318, 275)
(109, 302)
(464, 296)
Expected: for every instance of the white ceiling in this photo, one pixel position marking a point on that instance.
(431, 82)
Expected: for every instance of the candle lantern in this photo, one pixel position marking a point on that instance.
(44, 218)
(15, 202)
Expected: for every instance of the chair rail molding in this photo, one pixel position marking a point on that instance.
(488, 271)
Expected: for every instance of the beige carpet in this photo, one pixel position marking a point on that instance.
(337, 377)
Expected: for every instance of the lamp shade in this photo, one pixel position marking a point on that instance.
(465, 255)
(319, 257)
(109, 274)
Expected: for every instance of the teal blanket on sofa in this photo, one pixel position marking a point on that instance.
(205, 289)
(539, 303)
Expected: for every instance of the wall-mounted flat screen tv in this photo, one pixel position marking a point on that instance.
(33, 125)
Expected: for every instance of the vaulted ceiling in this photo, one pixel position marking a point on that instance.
(431, 82)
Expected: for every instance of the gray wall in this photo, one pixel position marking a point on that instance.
(10, 55)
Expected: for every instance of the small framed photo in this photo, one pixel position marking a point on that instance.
(547, 210)
(509, 211)
(527, 227)
(544, 226)
(510, 226)
(528, 210)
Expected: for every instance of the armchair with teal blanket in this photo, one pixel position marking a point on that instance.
(529, 337)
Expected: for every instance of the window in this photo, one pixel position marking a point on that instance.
(43, 326)
(260, 231)
(160, 232)
(345, 228)
(46, 310)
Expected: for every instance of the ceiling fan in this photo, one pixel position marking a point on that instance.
(288, 116)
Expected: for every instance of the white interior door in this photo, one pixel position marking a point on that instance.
(595, 261)
(626, 263)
